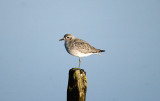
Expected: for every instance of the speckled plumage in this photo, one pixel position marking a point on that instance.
(78, 47)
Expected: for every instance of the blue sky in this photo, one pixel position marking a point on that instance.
(34, 65)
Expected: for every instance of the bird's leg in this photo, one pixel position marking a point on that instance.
(79, 61)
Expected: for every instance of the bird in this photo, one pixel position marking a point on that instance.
(78, 47)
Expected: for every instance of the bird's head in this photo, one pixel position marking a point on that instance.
(67, 37)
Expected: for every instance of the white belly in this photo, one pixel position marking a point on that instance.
(79, 54)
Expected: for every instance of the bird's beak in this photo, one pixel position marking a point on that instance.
(61, 39)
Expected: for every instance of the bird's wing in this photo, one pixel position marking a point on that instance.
(84, 46)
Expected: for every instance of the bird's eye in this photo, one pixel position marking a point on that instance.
(67, 37)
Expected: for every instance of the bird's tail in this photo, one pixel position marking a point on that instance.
(101, 50)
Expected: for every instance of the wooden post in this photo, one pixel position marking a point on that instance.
(77, 85)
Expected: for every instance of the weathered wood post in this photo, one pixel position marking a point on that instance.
(77, 85)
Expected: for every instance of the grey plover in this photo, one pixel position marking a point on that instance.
(78, 47)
